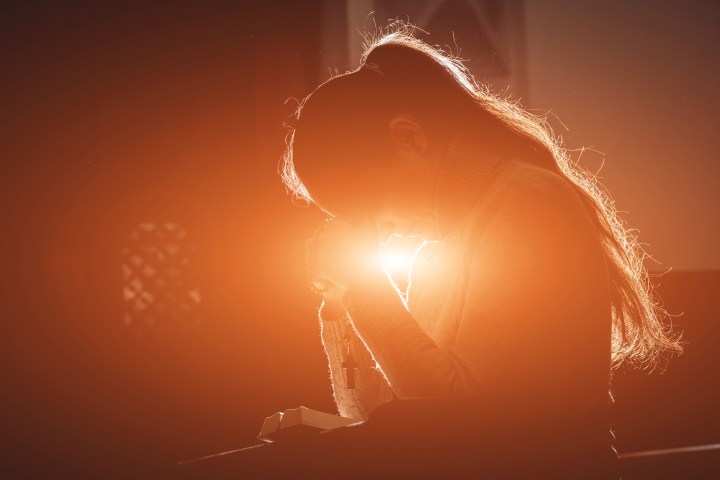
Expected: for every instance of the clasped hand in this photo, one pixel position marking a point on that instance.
(340, 255)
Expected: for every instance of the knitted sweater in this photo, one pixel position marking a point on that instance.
(512, 303)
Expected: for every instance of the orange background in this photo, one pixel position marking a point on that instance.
(117, 115)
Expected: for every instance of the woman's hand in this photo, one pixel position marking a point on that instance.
(340, 255)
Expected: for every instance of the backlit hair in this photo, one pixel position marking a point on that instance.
(639, 334)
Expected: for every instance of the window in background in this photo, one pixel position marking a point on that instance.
(160, 290)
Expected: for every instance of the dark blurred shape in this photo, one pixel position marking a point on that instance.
(676, 406)
(699, 462)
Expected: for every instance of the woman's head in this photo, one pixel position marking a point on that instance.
(350, 149)
(369, 141)
(366, 144)
(359, 146)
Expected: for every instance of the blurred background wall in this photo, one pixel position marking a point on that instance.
(154, 300)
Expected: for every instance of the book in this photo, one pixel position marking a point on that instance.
(298, 423)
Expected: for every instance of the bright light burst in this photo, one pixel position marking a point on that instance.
(394, 261)
(397, 255)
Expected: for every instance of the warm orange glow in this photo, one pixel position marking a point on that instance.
(393, 261)
(397, 256)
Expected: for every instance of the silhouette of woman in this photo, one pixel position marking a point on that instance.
(527, 291)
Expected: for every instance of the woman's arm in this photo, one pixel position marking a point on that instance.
(413, 363)
(371, 388)
(536, 306)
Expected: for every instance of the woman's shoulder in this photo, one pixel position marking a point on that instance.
(523, 177)
(527, 204)
(535, 220)
(523, 186)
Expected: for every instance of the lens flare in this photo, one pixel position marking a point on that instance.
(396, 260)
(397, 256)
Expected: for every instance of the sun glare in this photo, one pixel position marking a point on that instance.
(397, 255)
(394, 261)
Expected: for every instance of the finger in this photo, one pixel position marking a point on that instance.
(334, 292)
(319, 285)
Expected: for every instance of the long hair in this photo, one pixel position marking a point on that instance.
(401, 73)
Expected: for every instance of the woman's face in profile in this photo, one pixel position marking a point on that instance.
(404, 219)
(398, 196)
(394, 219)
(399, 203)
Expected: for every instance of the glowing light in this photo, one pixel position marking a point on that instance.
(397, 256)
(394, 260)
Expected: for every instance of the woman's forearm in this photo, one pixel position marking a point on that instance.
(370, 388)
(413, 363)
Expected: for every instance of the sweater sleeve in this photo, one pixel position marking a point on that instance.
(534, 272)
(371, 387)
(413, 363)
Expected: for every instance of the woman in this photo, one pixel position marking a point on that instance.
(528, 289)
